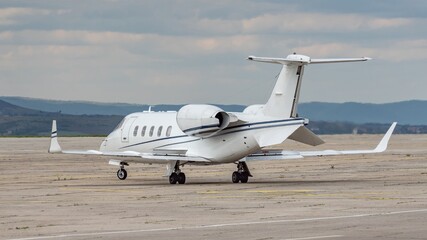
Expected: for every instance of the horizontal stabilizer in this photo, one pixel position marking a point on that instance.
(304, 135)
(339, 60)
(303, 60)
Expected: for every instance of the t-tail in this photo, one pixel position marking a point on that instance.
(284, 98)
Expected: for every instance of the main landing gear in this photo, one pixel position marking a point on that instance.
(177, 176)
(242, 174)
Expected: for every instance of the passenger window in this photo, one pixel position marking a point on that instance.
(151, 131)
(159, 132)
(168, 131)
(143, 131)
(135, 131)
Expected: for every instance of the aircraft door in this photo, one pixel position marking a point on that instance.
(126, 128)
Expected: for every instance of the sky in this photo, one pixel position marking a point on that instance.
(177, 52)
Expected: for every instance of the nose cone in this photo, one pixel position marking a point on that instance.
(103, 144)
(111, 142)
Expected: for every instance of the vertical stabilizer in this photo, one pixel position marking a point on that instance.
(283, 101)
(284, 98)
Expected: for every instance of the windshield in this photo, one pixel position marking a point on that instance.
(120, 124)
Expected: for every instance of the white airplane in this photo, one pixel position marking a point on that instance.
(207, 135)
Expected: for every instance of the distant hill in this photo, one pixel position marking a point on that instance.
(91, 108)
(20, 121)
(75, 107)
(406, 112)
(13, 110)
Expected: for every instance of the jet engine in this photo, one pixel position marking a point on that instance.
(202, 120)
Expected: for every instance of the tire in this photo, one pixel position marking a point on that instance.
(181, 178)
(244, 177)
(235, 177)
(122, 174)
(173, 178)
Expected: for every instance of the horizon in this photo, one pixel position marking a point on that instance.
(355, 112)
(153, 104)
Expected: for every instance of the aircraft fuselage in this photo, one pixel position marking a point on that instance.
(151, 131)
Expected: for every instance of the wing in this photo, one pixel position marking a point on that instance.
(282, 155)
(133, 156)
(157, 156)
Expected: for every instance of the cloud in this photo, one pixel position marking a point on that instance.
(300, 22)
(177, 45)
(101, 46)
(61, 36)
(85, 43)
(12, 15)
(393, 51)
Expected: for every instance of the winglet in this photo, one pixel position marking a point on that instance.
(382, 146)
(54, 145)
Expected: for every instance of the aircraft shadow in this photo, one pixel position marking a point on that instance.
(157, 182)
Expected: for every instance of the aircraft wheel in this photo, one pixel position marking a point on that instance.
(173, 178)
(244, 177)
(181, 178)
(122, 174)
(235, 177)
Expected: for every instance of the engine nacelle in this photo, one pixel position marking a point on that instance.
(202, 120)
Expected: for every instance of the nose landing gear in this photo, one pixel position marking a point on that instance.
(122, 174)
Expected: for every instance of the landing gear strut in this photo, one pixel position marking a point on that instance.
(177, 176)
(242, 174)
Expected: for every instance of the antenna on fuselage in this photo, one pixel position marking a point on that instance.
(149, 109)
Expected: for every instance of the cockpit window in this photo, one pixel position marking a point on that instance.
(120, 124)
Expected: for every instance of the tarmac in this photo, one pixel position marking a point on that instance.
(57, 196)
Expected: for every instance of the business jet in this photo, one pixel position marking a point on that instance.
(203, 134)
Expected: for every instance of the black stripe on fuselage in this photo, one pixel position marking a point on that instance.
(155, 140)
(246, 124)
(254, 128)
(249, 124)
(201, 127)
(223, 131)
